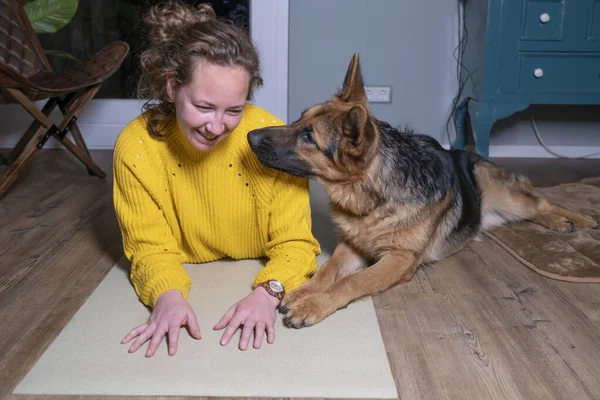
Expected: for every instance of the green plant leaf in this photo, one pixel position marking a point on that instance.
(64, 54)
(48, 16)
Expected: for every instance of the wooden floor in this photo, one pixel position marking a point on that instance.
(478, 325)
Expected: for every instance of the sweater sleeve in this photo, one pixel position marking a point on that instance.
(156, 259)
(292, 248)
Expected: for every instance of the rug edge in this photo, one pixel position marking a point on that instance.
(529, 265)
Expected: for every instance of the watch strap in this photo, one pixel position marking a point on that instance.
(267, 286)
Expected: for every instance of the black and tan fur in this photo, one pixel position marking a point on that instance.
(398, 199)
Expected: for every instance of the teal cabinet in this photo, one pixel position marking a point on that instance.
(523, 52)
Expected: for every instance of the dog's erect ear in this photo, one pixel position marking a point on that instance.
(353, 89)
(358, 131)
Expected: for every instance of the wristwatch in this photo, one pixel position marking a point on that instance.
(274, 288)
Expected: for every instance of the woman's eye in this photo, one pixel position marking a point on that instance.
(234, 112)
(203, 108)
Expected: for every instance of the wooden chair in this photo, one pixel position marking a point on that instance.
(26, 76)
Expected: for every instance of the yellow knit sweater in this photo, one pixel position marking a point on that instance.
(176, 204)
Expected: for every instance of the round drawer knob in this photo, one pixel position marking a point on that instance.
(544, 18)
(538, 72)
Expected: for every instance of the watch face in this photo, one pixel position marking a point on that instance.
(276, 286)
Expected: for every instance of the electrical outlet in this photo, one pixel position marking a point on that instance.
(379, 94)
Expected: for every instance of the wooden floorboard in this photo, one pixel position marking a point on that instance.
(478, 325)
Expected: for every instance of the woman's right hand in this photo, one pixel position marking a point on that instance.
(170, 313)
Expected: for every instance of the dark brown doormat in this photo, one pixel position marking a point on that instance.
(573, 257)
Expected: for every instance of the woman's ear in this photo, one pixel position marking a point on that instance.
(171, 86)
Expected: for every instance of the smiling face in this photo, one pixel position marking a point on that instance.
(211, 105)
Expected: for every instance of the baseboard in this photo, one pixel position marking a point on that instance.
(523, 151)
(100, 122)
(96, 136)
(540, 152)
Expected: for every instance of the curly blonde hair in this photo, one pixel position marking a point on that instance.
(180, 36)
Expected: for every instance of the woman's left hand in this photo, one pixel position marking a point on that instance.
(256, 312)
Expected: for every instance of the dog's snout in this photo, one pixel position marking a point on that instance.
(255, 138)
(275, 148)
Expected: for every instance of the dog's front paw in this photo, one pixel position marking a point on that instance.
(301, 312)
(294, 295)
(584, 221)
(563, 225)
(556, 222)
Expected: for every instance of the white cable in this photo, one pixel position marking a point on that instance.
(539, 138)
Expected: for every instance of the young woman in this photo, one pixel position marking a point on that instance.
(188, 189)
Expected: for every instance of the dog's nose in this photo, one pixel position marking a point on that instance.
(255, 138)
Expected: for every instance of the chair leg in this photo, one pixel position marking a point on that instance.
(79, 141)
(30, 149)
(79, 148)
(27, 153)
(12, 173)
(29, 107)
(84, 158)
(73, 127)
(78, 138)
(33, 128)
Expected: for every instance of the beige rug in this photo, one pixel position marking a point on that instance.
(343, 356)
(572, 257)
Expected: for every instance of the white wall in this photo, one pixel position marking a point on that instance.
(405, 44)
(408, 45)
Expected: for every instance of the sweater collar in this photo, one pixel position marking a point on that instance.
(181, 146)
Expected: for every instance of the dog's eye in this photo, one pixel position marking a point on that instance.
(306, 134)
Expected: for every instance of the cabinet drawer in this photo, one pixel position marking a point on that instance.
(559, 72)
(543, 20)
(551, 25)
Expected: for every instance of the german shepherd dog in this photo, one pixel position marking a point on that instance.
(398, 199)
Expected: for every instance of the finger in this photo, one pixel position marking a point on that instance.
(192, 325)
(229, 331)
(271, 333)
(259, 333)
(173, 339)
(134, 332)
(155, 342)
(142, 338)
(246, 332)
(225, 319)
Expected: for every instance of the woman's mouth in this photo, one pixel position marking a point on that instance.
(208, 137)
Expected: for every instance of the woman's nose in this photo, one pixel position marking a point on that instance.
(216, 125)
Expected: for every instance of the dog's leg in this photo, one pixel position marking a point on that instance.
(394, 267)
(527, 205)
(343, 262)
(547, 212)
(510, 196)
